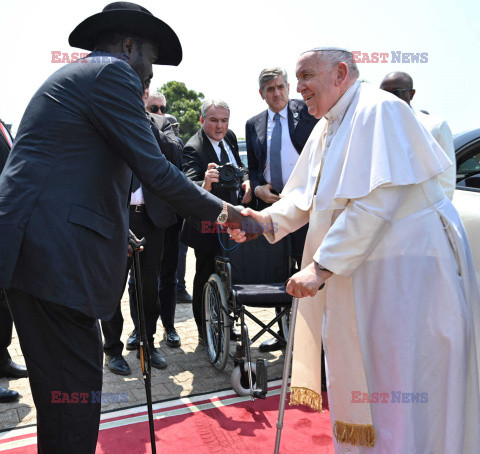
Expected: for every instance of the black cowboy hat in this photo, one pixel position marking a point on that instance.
(127, 16)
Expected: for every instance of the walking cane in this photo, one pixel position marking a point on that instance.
(145, 360)
(286, 371)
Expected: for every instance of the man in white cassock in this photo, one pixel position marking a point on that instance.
(399, 314)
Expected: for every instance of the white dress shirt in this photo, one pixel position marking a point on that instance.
(137, 197)
(218, 150)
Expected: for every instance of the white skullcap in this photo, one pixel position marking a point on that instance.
(326, 49)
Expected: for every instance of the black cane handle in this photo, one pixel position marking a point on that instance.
(134, 241)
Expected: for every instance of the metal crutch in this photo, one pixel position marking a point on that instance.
(286, 371)
(145, 360)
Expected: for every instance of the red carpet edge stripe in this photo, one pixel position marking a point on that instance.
(17, 438)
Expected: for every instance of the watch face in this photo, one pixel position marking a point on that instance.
(222, 218)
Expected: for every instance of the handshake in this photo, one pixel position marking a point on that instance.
(245, 224)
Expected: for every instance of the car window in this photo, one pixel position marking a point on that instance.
(242, 149)
(470, 166)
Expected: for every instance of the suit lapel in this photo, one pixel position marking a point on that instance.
(293, 118)
(261, 130)
(234, 149)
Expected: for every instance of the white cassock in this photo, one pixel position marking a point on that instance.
(440, 131)
(400, 314)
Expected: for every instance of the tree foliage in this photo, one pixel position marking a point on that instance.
(185, 105)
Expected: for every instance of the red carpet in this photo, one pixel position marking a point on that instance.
(215, 423)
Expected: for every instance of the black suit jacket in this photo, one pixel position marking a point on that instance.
(162, 214)
(197, 154)
(300, 125)
(65, 188)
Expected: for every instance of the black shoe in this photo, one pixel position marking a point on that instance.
(132, 341)
(158, 361)
(172, 339)
(117, 364)
(13, 370)
(183, 297)
(271, 345)
(7, 395)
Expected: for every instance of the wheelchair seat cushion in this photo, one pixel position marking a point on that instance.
(262, 295)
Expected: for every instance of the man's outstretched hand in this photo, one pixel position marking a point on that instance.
(244, 224)
(238, 222)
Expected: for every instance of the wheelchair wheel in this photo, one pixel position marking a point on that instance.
(240, 381)
(216, 322)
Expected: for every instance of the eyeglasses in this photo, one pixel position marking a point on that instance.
(398, 91)
(154, 109)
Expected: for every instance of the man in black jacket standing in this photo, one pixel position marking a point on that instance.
(213, 145)
(7, 367)
(149, 217)
(64, 212)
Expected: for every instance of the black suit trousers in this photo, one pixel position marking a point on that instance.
(6, 325)
(150, 263)
(205, 266)
(168, 283)
(63, 353)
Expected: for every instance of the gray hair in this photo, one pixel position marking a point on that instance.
(332, 56)
(269, 74)
(213, 102)
(159, 95)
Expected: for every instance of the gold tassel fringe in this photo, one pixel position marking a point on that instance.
(305, 396)
(354, 434)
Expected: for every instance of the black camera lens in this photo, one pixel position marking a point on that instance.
(228, 174)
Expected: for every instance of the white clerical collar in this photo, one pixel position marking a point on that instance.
(342, 104)
(283, 113)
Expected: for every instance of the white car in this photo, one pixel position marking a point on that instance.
(467, 194)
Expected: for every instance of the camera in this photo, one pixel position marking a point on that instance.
(230, 177)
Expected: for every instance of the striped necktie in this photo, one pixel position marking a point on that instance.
(7, 135)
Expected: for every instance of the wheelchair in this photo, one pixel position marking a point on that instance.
(252, 274)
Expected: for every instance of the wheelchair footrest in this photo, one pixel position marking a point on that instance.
(262, 380)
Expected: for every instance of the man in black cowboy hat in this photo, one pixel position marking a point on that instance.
(64, 212)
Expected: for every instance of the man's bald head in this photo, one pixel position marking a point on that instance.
(400, 84)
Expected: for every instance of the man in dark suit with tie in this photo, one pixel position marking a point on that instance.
(275, 139)
(7, 367)
(149, 217)
(64, 212)
(213, 145)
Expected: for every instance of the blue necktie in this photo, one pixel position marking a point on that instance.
(275, 157)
